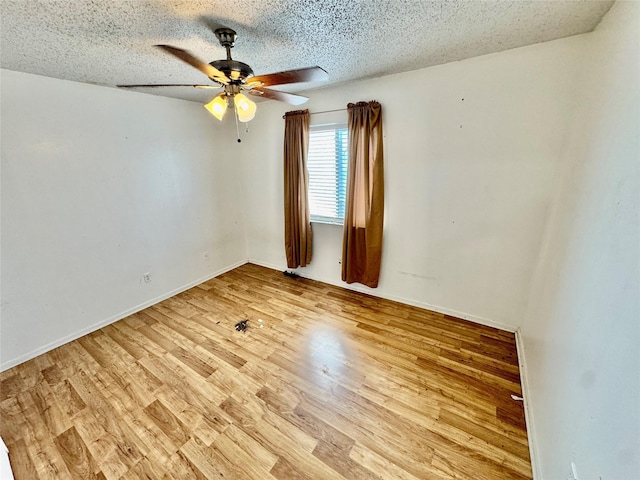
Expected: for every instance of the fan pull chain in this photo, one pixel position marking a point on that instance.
(237, 127)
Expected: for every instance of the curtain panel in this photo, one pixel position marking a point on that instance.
(364, 212)
(297, 226)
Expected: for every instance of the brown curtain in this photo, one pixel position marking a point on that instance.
(297, 227)
(364, 212)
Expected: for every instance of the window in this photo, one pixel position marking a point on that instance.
(327, 167)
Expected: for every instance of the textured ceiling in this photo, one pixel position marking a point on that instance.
(109, 42)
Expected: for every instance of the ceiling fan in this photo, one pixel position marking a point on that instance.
(236, 77)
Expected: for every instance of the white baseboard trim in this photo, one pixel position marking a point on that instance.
(269, 265)
(528, 413)
(96, 326)
(408, 301)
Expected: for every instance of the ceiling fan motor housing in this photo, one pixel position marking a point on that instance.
(235, 71)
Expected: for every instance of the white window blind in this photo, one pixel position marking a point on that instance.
(327, 167)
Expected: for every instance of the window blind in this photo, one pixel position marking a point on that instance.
(327, 167)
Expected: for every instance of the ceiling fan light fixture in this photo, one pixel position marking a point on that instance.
(217, 107)
(234, 77)
(246, 108)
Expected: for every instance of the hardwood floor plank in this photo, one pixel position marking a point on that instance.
(132, 347)
(306, 421)
(151, 437)
(259, 454)
(414, 460)
(125, 387)
(53, 375)
(156, 337)
(478, 431)
(223, 354)
(145, 470)
(12, 421)
(75, 454)
(283, 470)
(49, 409)
(21, 462)
(11, 386)
(331, 384)
(203, 459)
(48, 460)
(238, 458)
(167, 422)
(181, 467)
(99, 354)
(376, 463)
(68, 398)
(192, 361)
(206, 424)
(340, 461)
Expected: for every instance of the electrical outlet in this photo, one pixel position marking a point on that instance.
(146, 277)
(573, 475)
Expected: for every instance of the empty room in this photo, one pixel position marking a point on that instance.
(295, 239)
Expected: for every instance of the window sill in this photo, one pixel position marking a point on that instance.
(327, 221)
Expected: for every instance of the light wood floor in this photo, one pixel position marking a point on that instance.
(331, 384)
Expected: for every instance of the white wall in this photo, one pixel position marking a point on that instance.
(98, 186)
(470, 176)
(582, 330)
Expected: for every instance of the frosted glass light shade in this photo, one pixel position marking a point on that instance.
(246, 108)
(217, 106)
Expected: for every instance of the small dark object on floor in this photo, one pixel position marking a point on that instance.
(241, 326)
(291, 274)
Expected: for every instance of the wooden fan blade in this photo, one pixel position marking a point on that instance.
(169, 85)
(277, 95)
(311, 74)
(208, 70)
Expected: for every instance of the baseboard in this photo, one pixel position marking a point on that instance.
(528, 413)
(271, 265)
(98, 325)
(414, 303)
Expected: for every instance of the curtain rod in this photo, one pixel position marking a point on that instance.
(328, 111)
(325, 111)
